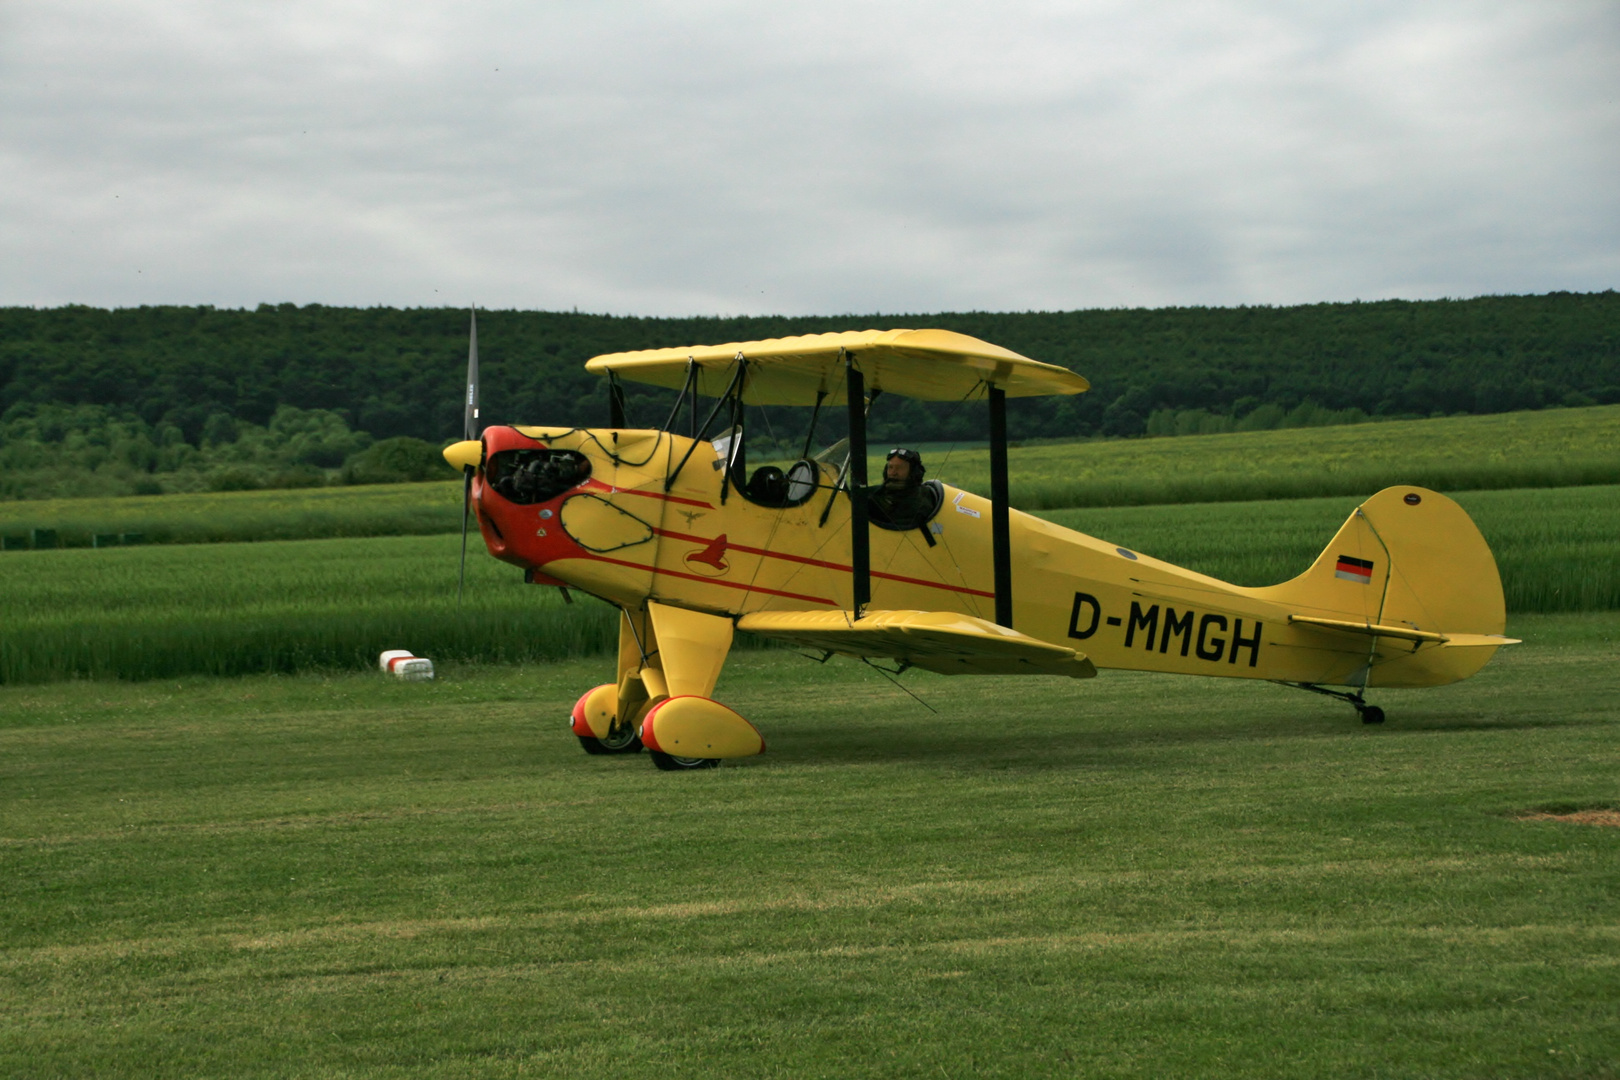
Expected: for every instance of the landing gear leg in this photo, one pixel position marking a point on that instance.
(683, 721)
(1370, 714)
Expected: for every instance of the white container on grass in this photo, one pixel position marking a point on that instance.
(402, 665)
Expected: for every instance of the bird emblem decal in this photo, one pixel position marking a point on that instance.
(710, 560)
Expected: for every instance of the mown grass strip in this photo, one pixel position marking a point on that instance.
(1131, 876)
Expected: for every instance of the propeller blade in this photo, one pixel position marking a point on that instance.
(469, 432)
(469, 424)
(466, 512)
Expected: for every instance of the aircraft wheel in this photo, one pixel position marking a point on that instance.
(671, 763)
(625, 742)
(1372, 714)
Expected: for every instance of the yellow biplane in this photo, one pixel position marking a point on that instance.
(675, 531)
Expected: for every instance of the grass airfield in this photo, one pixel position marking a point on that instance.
(1129, 876)
(334, 874)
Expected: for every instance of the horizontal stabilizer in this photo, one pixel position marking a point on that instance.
(941, 641)
(1406, 633)
(1478, 641)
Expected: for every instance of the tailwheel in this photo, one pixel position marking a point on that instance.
(675, 763)
(1370, 714)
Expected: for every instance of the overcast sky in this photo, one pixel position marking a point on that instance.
(720, 158)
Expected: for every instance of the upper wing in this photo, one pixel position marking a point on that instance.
(930, 365)
(941, 641)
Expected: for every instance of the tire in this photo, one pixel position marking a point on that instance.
(1372, 714)
(671, 763)
(612, 744)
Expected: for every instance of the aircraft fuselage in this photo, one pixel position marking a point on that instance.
(644, 527)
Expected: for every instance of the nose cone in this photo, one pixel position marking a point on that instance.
(464, 455)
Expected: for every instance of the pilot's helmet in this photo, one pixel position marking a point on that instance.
(912, 458)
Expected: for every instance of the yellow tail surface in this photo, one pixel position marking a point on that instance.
(1408, 558)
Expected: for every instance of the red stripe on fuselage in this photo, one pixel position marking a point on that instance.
(931, 584)
(707, 580)
(824, 564)
(597, 485)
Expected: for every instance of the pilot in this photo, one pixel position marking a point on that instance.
(900, 500)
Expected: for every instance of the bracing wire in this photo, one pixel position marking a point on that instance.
(979, 391)
(891, 677)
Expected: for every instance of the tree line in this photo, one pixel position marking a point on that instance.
(199, 377)
(68, 451)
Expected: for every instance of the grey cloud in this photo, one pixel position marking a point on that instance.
(667, 159)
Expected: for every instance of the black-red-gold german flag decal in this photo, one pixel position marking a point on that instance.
(1352, 569)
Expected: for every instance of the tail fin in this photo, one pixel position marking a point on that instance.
(1408, 558)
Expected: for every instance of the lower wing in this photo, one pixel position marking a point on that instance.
(941, 641)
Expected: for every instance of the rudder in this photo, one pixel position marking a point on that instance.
(1412, 558)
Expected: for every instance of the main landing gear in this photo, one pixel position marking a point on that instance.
(623, 741)
(682, 733)
(1370, 714)
(669, 659)
(673, 763)
(594, 718)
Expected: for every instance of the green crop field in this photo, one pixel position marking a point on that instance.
(229, 609)
(1131, 876)
(1551, 448)
(1557, 549)
(296, 514)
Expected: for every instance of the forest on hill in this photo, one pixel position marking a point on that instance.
(284, 391)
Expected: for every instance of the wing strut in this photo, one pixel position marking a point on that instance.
(815, 414)
(1000, 525)
(703, 433)
(860, 538)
